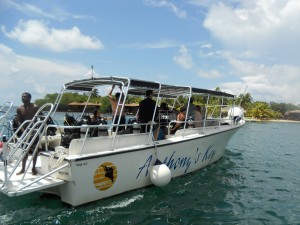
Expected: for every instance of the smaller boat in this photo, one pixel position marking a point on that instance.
(5, 123)
(81, 161)
(5, 110)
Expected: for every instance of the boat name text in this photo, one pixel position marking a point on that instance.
(175, 163)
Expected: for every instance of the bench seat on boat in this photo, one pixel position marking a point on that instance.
(107, 143)
(188, 131)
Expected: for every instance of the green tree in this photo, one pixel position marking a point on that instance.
(133, 99)
(49, 98)
(105, 105)
(95, 93)
(283, 107)
(262, 110)
(259, 109)
(180, 102)
(244, 100)
(199, 99)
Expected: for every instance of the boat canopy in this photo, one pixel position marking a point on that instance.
(139, 87)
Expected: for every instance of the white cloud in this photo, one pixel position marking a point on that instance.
(208, 3)
(278, 83)
(206, 45)
(275, 82)
(38, 34)
(184, 59)
(155, 45)
(165, 43)
(21, 73)
(267, 27)
(164, 3)
(260, 39)
(211, 74)
(53, 13)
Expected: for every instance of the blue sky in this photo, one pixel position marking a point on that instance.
(230, 44)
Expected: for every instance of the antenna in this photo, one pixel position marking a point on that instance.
(245, 90)
(242, 96)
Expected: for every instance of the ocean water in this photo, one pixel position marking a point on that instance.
(256, 182)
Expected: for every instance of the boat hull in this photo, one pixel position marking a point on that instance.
(93, 177)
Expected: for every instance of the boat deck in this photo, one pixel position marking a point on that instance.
(17, 185)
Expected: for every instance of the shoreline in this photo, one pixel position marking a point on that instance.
(272, 120)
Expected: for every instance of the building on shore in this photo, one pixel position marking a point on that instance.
(292, 115)
(131, 108)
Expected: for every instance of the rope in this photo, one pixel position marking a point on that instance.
(157, 161)
(60, 159)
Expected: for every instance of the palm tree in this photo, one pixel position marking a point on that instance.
(95, 93)
(244, 100)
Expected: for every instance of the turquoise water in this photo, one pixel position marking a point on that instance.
(256, 182)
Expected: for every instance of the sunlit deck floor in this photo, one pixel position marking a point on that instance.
(17, 185)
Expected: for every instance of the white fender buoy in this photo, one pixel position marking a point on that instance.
(160, 175)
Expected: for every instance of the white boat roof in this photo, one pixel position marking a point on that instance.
(139, 87)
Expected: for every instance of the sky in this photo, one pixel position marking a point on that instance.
(238, 45)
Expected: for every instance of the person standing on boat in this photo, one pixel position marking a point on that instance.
(26, 111)
(96, 114)
(179, 120)
(198, 116)
(146, 110)
(114, 106)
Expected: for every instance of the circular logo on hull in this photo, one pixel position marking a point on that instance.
(105, 176)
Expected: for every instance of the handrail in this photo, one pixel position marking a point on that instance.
(151, 133)
(88, 127)
(123, 98)
(4, 110)
(20, 142)
(44, 176)
(32, 130)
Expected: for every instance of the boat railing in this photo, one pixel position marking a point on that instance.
(17, 147)
(211, 121)
(184, 125)
(70, 132)
(90, 131)
(219, 113)
(4, 111)
(87, 131)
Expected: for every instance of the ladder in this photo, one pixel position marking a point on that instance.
(18, 147)
(119, 109)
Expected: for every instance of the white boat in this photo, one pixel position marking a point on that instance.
(84, 167)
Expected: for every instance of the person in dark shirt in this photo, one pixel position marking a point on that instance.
(96, 114)
(146, 110)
